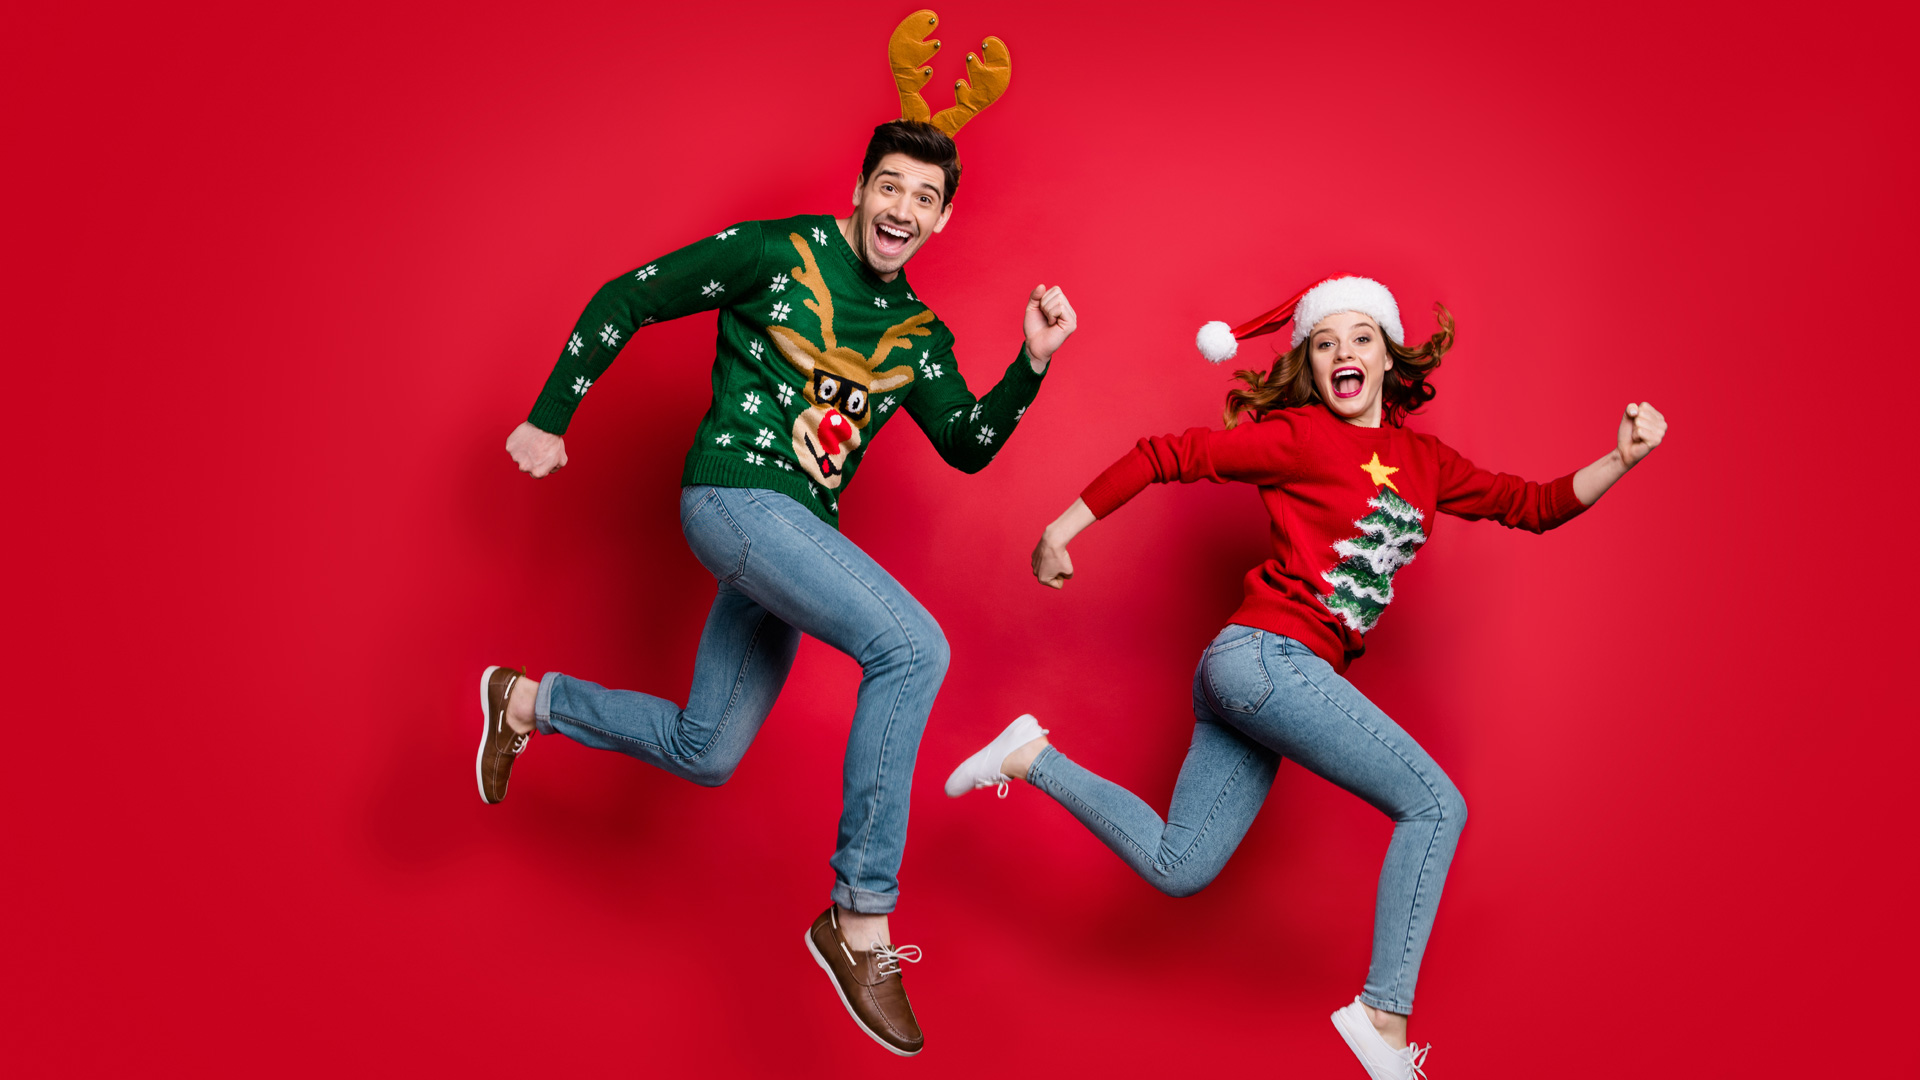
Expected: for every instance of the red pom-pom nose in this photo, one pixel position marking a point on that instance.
(834, 430)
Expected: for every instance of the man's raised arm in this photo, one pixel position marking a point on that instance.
(702, 276)
(967, 432)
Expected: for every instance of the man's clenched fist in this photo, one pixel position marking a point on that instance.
(535, 451)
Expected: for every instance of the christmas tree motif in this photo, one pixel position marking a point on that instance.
(1363, 579)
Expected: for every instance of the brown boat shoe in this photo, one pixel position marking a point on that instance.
(499, 743)
(868, 983)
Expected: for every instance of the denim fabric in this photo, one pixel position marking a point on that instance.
(783, 572)
(1258, 697)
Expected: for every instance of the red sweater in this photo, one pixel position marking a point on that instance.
(1349, 506)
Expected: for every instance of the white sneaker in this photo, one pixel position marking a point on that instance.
(983, 769)
(1382, 1062)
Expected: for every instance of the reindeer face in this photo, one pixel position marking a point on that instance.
(830, 429)
(822, 439)
(831, 391)
(840, 381)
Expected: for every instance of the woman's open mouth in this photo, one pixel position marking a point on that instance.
(1348, 382)
(889, 240)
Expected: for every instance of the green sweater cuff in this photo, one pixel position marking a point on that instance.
(1022, 379)
(551, 415)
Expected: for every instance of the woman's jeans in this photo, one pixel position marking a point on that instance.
(1259, 697)
(783, 572)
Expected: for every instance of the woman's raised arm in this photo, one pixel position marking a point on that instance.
(1052, 566)
(1641, 429)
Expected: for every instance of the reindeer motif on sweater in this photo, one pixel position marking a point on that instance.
(840, 382)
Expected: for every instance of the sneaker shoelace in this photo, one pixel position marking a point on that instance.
(887, 958)
(1416, 1058)
(997, 781)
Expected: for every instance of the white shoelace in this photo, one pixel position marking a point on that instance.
(887, 958)
(1417, 1057)
(520, 741)
(997, 781)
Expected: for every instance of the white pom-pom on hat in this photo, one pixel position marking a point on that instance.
(1216, 342)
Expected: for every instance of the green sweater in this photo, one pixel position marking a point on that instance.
(815, 354)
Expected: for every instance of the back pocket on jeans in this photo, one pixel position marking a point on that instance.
(1237, 676)
(716, 539)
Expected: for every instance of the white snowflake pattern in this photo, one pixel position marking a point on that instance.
(913, 298)
(785, 394)
(819, 235)
(755, 459)
(928, 368)
(781, 309)
(764, 439)
(646, 272)
(975, 414)
(1018, 413)
(834, 505)
(756, 348)
(712, 288)
(785, 466)
(985, 435)
(574, 344)
(725, 438)
(608, 335)
(879, 301)
(580, 384)
(780, 283)
(811, 490)
(886, 404)
(724, 233)
(648, 321)
(751, 403)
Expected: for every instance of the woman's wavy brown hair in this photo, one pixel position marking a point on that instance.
(1290, 383)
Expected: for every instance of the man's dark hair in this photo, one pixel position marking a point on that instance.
(918, 140)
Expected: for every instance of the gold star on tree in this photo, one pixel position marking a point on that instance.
(1380, 472)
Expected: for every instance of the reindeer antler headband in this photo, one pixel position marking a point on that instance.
(987, 74)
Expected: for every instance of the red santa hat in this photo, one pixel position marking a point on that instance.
(1342, 292)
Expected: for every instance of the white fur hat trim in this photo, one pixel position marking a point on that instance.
(1364, 295)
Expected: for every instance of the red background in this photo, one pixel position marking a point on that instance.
(280, 282)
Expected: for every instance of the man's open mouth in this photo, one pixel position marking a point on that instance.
(1348, 382)
(891, 240)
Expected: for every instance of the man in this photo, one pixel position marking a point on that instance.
(821, 342)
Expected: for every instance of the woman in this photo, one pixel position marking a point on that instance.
(1351, 494)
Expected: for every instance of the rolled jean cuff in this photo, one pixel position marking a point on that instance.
(543, 704)
(864, 901)
(1384, 1005)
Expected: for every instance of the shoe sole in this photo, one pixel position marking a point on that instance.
(814, 951)
(486, 721)
(1354, 1045)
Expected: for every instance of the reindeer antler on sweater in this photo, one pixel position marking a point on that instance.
(822, 302)
(804, 355)
(987, 74)
(897, 335)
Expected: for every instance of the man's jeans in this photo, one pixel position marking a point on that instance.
(1257, 697)
(783, 572)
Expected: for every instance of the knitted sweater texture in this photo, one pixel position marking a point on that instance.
(814, 355)
(1349, 506)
